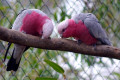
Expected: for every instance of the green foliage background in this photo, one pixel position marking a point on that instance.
(76, 66)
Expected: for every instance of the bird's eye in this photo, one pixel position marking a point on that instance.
(89, 14)
(41, 32)
(63, 30)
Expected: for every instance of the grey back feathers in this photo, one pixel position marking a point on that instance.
(18, 22)
(93, 26)
(83, 16)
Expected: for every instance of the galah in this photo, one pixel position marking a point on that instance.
(29, 21)
(84, 27)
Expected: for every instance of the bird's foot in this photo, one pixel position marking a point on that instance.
(79, 42)
(94, 46)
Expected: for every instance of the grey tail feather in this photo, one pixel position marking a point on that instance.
(27, 47)
(12, 62)
(11, 65)
(9, 44)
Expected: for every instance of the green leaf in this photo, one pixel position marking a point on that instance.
(55, 16)
(55, 66)
(63, 15)
(40, 2)
(117, 74)
(45, 78)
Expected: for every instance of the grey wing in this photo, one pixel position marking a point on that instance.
(39, 11)
(19, 20)
(97, 31)
(78, 17)
(83, 16)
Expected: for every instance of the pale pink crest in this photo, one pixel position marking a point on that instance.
(62, 25)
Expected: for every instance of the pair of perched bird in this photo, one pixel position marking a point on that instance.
(84, 27)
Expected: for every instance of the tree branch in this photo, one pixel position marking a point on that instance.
(58, 44)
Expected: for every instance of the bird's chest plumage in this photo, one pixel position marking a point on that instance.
(33, 23)
(82, 33)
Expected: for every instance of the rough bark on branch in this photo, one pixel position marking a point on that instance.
(58, 44)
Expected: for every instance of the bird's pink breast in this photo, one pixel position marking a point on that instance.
(33, 23)
(81, 33)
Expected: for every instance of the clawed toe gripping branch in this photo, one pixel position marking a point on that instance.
(58, 44)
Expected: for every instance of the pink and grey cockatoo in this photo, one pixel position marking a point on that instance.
(84, 27)
(29, 21)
